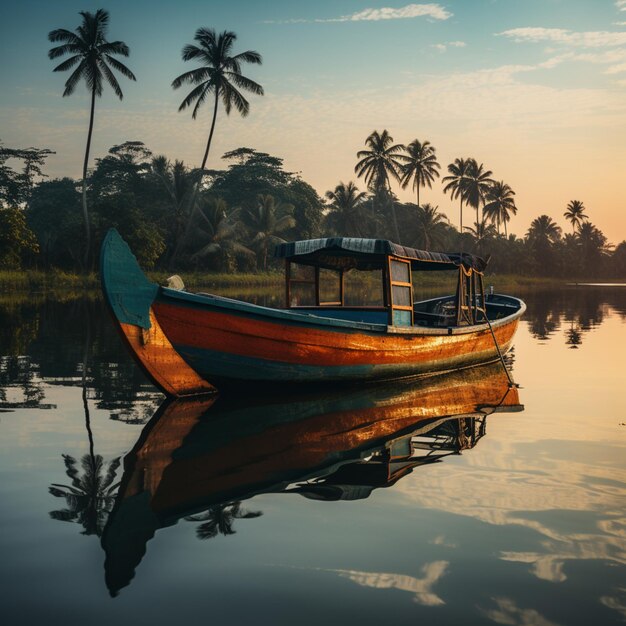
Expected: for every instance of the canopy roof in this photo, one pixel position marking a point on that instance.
(370, 254)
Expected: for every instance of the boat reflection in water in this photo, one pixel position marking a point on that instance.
(199, 455)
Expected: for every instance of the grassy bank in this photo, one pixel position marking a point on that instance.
(35, 281)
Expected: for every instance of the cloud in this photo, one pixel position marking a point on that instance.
(442, 47)
(616, 69)
(433, 11)
(587, 39)
(621, 5)
(507, 612)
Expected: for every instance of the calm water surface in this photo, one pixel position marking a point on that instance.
(439, 501)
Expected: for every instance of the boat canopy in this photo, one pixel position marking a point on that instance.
(345, 253)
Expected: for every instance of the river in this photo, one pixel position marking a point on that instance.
(449, 500)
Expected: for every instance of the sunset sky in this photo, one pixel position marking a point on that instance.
(535, 90)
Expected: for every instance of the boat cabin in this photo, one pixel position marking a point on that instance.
(315, 273)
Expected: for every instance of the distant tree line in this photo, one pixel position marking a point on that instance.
(240, 212)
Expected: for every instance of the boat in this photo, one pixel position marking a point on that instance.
(211, 453)
(194, 343)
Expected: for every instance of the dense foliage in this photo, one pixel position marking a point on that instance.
(241, 211)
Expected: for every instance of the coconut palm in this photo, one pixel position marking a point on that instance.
(575, 214)
(431, 227)
(476, 185)
(216, 230)
(94, 55)
(544, 230)
(499, 204)
(420, 165)
(455, 182)
(219, 75)
(345, 215)
(481, 231)
(378, 165)
(268, 221)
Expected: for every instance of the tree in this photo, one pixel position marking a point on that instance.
(542, 235)
(378, 164)
(499, 204)
(455, 183)
(480, 232)
(220, 75)
(420, 165)
(475, 185)
(93, 54)
(17, 240)
(593, 247)
(216, 231)
(268, 221)
(345, 216)
(431, 227)
(575, 214)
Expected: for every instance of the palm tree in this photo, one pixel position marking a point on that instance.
(93, 54)
(345, 209)
(380, 163)
(475, 185)
(544, 230)
(499, 204)
(421, 165)
(217, 230)
(575, 214)
(268, 221)
(219, 74)
(481, 231)
(455, 182)
(431, 227)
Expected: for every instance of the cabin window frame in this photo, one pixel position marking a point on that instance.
(391, 283)
(315, 282)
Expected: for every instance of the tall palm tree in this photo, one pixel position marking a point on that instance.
(219, 74)
(475, 185)
(481, 231)
(455, 182)
(575, 214)
(380, 163)
(499, 204)
(345, 209)
(268, 221)
(94, 55)
(420, 165)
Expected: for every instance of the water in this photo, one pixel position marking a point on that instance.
(438, 502)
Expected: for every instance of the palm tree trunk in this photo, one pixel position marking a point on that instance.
(461, 216)
(84, 194)
(198, 183)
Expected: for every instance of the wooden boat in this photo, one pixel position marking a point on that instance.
(190, 343)
(212, 452)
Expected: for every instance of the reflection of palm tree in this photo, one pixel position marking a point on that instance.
(380, 163)
(219, 519)
(575, 214)
(90, 497)
(455, 183)
(345, 209)
(420, 165)
(93, 54)
(499, 204)
(268, 221)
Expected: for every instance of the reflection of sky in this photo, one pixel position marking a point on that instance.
(558, 468)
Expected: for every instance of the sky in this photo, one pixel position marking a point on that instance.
(535, 90)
